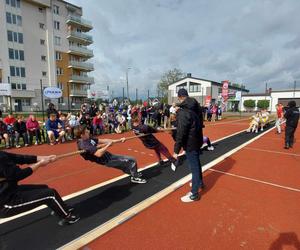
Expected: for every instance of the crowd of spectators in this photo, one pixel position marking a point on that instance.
(99, 119)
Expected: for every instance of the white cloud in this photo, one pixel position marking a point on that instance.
(252, 42)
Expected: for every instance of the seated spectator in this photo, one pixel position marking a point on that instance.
(68, 130)
(97, 124)
(112, 123)
(33, 129)
(55, 129)
(9, 121)
(86, 121)
(121, 123)
(74, 124)
(20, 131)
(4, 133)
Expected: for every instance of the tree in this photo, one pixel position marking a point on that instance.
(166, 79)
(250, 104)
(263, 104)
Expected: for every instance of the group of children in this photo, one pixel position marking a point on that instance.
(258, 121)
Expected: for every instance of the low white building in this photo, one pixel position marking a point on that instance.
(201, 88)
(274, 97)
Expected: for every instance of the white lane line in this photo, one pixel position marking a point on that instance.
(272, 151)
(221, 123)
(104, 228)
(256, 180)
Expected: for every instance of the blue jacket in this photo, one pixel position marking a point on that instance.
(53, 125)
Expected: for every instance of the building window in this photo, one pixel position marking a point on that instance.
(57, 40)
(195, 87)
(43, 58)
(44, 73)
(181, 86)
(42, 26)
(56, 25)
(14, 19)
(11, 54)
(12, 71)
(42, 41)
(21, 54)
(59, 71)
(8, 17)
(16, 54)
(26, 102)
(17, 71)
(15, 37)
(13, 86)
(7, 2)
(23, 72)
(13, 3)
(56, 9)
(20, 35)
(58, 56)
(19, 20)
(23, 86)
(10, 35)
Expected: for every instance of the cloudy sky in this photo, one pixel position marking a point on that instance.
(250, 42)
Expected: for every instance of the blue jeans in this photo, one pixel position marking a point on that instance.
(193, 159)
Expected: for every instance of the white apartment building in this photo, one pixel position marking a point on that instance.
(44, 42)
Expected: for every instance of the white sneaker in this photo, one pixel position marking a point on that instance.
(211, 148)
(137, 180)
(26, 145)
(173, 167)
(18, 146)
(261, 129)
(189, 197)
(36, 143)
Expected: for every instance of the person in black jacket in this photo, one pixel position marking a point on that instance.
(20, 131)
(16, 199)
(292, 117)
(190, 137)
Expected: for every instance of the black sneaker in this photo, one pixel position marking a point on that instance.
(69, 220)
(70, 209)
(287, 146)
(161, 163)
(137, 180)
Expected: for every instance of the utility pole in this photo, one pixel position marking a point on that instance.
(148, 96)
(127, 82)
(123, 94)
(69, 107)
(294, 89)
(136, 96)
(10, 102)
(42, 99)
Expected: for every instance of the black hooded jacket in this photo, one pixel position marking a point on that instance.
(292, 115)
(189, 126)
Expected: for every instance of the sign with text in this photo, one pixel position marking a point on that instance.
(225, 92)
(207, 101)
(52, 92)
(5, 89)
(95, 93)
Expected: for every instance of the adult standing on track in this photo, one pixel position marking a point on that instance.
(279, 120)
(190, 137)
(16, 199)
(292, 118)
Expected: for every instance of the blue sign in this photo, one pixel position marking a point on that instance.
(52, 92)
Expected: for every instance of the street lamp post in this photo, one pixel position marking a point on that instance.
(127, 82)
(42, 99)
(294, 89)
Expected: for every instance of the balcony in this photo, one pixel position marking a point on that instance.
(78, 92)
(81, 37)
(80, 51)
(81, 79)
(80, 22)
(81, 65)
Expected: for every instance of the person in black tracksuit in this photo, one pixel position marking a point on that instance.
(16, 199)
(189, 136)
(292, 117)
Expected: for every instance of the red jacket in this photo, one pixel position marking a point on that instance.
(9, 121)
(30, 124)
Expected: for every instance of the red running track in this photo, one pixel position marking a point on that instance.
(233, 213)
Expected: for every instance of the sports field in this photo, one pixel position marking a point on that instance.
(251, 199)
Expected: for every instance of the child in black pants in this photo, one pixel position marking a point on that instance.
(101, 156)
(151, 142)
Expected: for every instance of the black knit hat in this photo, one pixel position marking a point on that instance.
(292, 104)
(182, 92)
